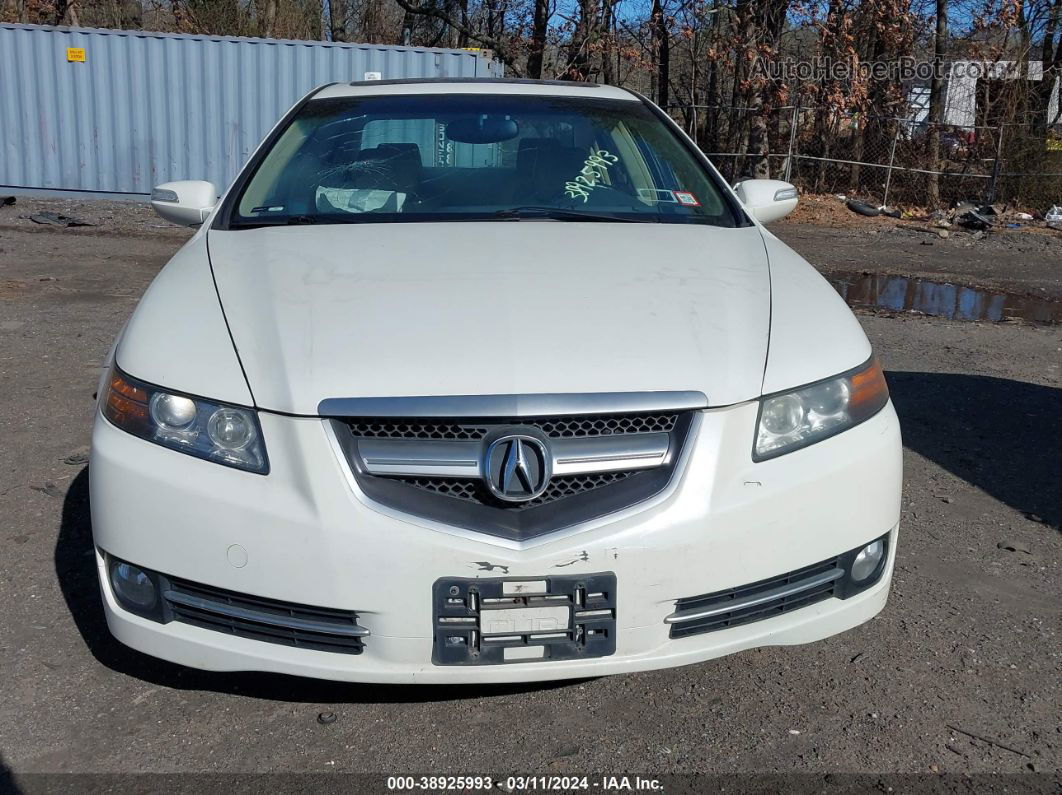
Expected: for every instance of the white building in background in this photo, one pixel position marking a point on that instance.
(960, 107)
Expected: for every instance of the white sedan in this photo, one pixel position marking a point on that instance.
(487, 381)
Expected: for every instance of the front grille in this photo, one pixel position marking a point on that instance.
(573, 427)
(414, 429)
(268, 620)
(569, 486)
(516, 477)
(754, 602)
(461, 488)
(473, 490)
(607, 425)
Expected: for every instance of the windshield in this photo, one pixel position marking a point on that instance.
(474, 157)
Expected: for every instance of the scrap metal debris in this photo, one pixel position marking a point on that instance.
(975, 219)
(49, 489)
(1014, 546)
(58, 219)
(988, 740)
(941, 233)
(78, 457)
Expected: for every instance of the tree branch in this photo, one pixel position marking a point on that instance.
(499, 46)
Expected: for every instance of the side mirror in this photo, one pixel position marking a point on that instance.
(767, 199)
(187, 202)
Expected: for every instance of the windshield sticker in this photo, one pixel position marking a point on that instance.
(589, 177)
(656, 195)
(686, 199)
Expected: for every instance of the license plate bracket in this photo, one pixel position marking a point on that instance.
(499, 620)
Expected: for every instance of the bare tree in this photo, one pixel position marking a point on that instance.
(268, 18)
(501, 46)
(937, 97)
(339, 20)
(539, 28)
(661, 49)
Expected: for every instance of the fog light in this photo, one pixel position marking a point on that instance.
(133, 586)
(866, 562)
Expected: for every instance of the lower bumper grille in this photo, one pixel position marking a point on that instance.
(473, 490)
(695, 615)
(268, 620)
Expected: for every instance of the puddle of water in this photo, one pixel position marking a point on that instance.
(940, 299)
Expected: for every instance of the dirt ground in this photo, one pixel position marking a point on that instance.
(1024, 261)
(960, 674)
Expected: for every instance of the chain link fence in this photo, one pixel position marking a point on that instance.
(884, 160)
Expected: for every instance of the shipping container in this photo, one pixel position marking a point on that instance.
(117, 111)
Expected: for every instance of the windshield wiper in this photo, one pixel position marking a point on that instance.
(301, 220)
(558, 214)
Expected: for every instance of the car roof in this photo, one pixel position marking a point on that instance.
(475, 85)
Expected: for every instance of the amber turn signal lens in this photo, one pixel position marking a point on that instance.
(869, 390)
(126, 405)
(131, 391)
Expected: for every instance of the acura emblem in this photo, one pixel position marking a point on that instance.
(517, 468)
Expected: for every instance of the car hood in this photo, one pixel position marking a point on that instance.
(505, 307)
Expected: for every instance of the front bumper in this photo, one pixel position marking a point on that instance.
(303, 534)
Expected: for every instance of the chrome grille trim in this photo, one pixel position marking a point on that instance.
(430, 458)
(446, 469)
(415, 458)
(338, 436)
(260, 617)
(513, 406)
(754, 600)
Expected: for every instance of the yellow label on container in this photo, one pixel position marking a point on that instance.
(75, 54)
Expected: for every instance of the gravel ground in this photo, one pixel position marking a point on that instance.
(1023, 260)
(967, 648)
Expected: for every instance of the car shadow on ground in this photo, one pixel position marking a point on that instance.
(7, 779)
(999, 435)
(75, 567)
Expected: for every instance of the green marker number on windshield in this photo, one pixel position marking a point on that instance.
(593, 171)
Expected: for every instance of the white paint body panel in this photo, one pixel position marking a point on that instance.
(375, 310)
(186, 202)
(530, 307)
(177, 335)
(311, 539)
(493, 88)
(760, 199)
(813, 333)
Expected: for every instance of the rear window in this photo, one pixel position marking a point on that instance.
(475, 157)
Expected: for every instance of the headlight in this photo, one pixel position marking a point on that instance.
(791, 420)
(228, 435)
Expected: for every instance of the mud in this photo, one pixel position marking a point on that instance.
(941, 299)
